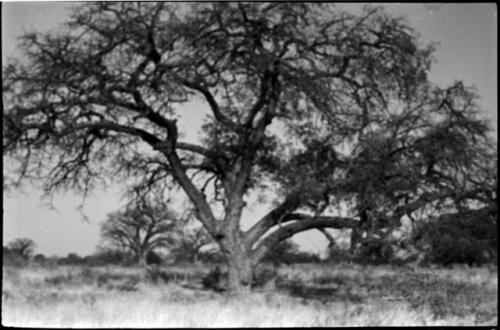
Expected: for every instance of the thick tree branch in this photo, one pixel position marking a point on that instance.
(304, 222)
(272, 218)
(204, 212)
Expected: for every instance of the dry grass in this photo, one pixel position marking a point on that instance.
(304, 296)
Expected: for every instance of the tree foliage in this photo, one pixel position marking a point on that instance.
(311, 105)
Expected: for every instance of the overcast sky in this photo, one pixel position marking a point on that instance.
(467, 36)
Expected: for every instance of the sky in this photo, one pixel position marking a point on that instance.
(467, 51)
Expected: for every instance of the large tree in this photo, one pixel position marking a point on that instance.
(312, 107)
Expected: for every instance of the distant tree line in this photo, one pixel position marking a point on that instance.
(151, 233)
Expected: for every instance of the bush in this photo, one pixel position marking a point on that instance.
(374, 252)
(211, 257)
(71, 259)
(12, 259)
(40, 259)
(263, 275)
(460, 238)
(108, 257)
(337, 255)
(213, 280)
(153, 258)
(287, 252)
(156, 276)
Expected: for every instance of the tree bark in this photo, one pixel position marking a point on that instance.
(142, 259)
(240, 273)
(239, 261)
(356, 236)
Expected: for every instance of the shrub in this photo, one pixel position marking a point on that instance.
(40, 259)
(71, 259)
(156, 276)
(263, 275)
(287, 252)
(211, 257)
(152, 258)
(11, 259)
(108, 257)
(459, 238)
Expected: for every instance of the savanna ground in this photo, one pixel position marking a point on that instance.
(305, 295)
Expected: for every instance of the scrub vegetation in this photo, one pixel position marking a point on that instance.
(296, 295)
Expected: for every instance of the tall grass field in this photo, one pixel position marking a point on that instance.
(304, 295)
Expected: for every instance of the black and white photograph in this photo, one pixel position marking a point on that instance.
(210, 164)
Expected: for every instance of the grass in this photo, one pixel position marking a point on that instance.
(303, 296)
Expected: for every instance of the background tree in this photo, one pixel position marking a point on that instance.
(21, 248)
(308, 105)
(139, 229)
(189, 242)
(107, 256)
(71, 259)
(40, 259)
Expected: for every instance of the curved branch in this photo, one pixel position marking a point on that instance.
(304, 222)
(272, 218)
(282, 212)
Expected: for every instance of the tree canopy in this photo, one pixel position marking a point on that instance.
(313, 107)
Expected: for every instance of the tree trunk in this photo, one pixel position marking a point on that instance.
(240, 265)
(356, 236)
(240, 273)
(141, 259)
